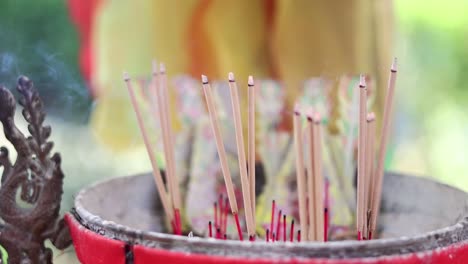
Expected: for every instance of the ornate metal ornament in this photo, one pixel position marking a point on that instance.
(31, 187)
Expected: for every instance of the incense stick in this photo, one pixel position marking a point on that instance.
(312, 235)
(170, 135)
(226, 213)
(156, 173)
(157, 100)
(369, 168)
(241, 154)
(168, 141)
(221, 150)
(278, 226)
(377, 196)
(284, 228)
(325, 219)
(272, 221)
(318, 176)
(251, 142)
(210, 230)
(361, 156)
(157, 108)
(291, 232)
(300, 170)
(215, 214)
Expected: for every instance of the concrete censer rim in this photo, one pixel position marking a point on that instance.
(455, 232)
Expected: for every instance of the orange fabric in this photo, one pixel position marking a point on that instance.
(287, 40)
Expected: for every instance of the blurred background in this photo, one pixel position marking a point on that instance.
(75, 52)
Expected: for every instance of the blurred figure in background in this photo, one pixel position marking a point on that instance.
(284, 40)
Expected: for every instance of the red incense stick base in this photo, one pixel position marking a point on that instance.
(102, 234)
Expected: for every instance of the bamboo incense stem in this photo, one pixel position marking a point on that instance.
(369, 168)
(156, 173)
(241, 154)
(170, 156)
(376, 198)
(300, 169)
(251, 142)
(312, 235)
(158, 116)
(219, 145)
(318, 176)
(361, 156)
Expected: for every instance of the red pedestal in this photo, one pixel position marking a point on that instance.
(92, 248)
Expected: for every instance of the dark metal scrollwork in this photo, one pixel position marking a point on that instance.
(31, 187)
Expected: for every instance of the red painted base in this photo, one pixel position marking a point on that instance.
(92, 248)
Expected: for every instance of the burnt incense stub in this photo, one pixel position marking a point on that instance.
(31, 187)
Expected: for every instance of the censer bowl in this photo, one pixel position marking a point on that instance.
(121, 221)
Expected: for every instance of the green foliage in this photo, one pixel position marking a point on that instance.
(38, 40)
(3, 255)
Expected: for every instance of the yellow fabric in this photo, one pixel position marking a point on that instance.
(303, 39)
(128, 35)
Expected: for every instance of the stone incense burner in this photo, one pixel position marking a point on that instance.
(120, 221)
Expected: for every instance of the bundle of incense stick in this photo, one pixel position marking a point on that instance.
(312, 188)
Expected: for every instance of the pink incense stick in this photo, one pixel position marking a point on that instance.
(174, 228)
(215, 213)
(291, 232)
(325, 223)
(298, 235)
(210, 231)
(278, 226)
(273, 208)
(178, 223)
(226, 213)
(239, 230)
(284, 228)
(267, 237)
(220, 211)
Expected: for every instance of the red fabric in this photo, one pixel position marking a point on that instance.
(82, 13)
(92, 248)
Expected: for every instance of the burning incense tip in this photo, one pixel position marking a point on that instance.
(204, 79)
(370, 117)
(231, 77)
(394, 65)
(362, 81)
(162, 68)
(126, 77)
(251, 81)
(154, 67)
